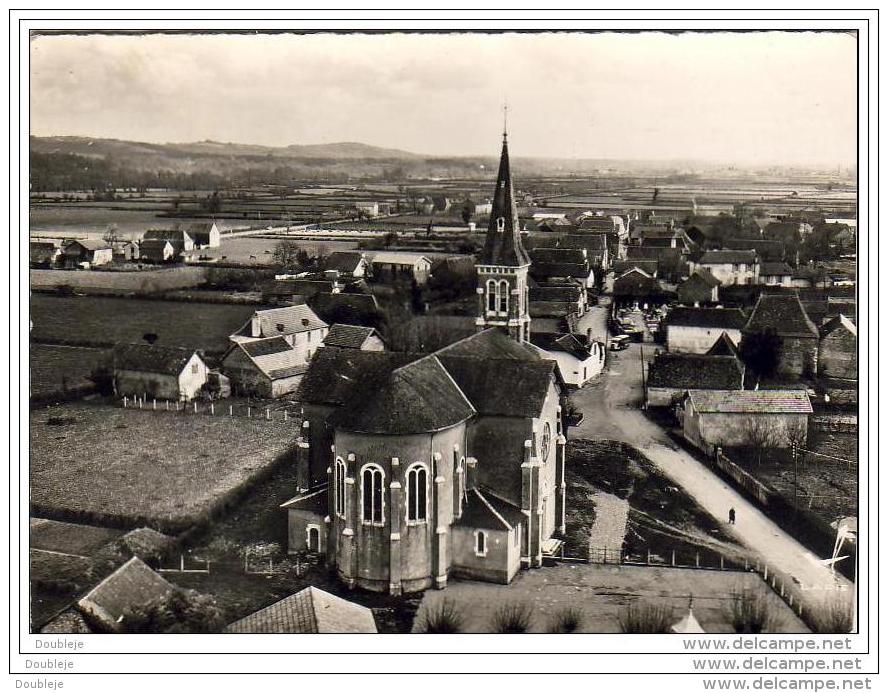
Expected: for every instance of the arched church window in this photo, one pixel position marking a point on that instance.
(504, 296)
(492, 293)
(339, 472)
(480, 543)
(372, 480)
(417, 493)
(500, 224)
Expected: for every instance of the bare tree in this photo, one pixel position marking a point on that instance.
(112, 236)
(286, 254)
(758, 435)
(797, 433)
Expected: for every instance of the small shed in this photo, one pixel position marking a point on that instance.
(92, 251)
(738, 418)
(700, 288)
(205, 234)
(397, 266)
(354, 337)
(267, 368)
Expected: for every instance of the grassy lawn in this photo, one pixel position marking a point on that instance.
(104, 321)
(601, 593)
(130, 468)
(662, 517)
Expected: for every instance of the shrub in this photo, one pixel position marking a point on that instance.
(513, 617)
(566, 620)
(834, 616)
(444, 616)
(646, 618)
(748, 612)
(183, 611)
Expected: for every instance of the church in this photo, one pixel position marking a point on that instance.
(415, 468)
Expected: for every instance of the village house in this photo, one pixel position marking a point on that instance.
(44, 254)
(348, 308)
(579, 359)
(160, 372)
(695, 330)
(738, 418)
(397, 266)
(91, 252)
(637, 286)
(595, 245)
(558, 298)
(354, 337)
(295, 290)
(309, 611)
(837, 350)
(266, 368)
(700, 288)
(438, 465)
(205, 234)
(669, 376)
(775, 274)
(298, 325)
(348, 264)
(181, 240)
(783, 315)
(766, 250)
(667, 237)
(369, 208)
(126, 251)
(648, 266)
(545, 271)
(730, 266)
(672, 264)
(156, 250)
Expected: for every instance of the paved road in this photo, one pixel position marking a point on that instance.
(611, 405)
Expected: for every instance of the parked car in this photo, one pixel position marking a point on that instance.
(620, 342)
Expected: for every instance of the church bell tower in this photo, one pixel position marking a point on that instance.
(503, 263)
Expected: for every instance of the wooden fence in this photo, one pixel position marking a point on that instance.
(216, 408)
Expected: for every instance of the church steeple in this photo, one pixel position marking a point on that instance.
(503, 263)
(503, 245)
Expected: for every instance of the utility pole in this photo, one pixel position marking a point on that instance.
(795, 475)
(643, 390)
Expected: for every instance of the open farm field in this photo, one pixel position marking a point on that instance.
(104, 321)
(55, 370)
(128, 468)
(147, 281)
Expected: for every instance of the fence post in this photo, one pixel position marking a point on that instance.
(721, 562)
(212, 409)
(697, 559)
(140, 404)
(248, 413)
(268, 413)
(605, 555)
(766, 572)
(781, 588)
(673, 558)
(649, 557)
(182, 562)
(154, 404)
(124, 401)
(790, 599)
(195, 406)
(745, 563)
(166, 403)
(285, 414)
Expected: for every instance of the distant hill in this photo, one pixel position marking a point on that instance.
(133, 152)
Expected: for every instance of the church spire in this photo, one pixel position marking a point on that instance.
(503, 246)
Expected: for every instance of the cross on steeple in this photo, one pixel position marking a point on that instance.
(505, 121)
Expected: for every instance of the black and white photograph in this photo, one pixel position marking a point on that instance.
(478, 331)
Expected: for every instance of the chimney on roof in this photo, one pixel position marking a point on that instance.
(255, 326)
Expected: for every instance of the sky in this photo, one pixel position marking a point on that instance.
(755, 98)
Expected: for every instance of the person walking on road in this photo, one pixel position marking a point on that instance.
(732, 516)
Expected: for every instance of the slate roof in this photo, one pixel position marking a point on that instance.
(648, 266)
(574, 256)
(489, 344)
(770, 269)
(729, 257)
(725, 318)
(335, 373)
(311, 610)
(783, 314)
(348, 336)
(344, 261)
(151, 358)
(275, 322)
(133, 584)
(551, 309)
(695, 371)
(838, 322)
(418, 397)
(154, 249)
(483, 510)
(751, 401)
(724, 346)
(91, 244)
(556, 292)
(274, 357)
(564, 342)
(345, 307)
(172, 235)
(544, 270)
